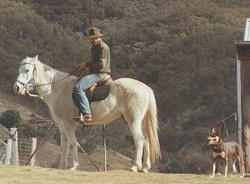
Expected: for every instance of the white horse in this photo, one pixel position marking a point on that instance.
(128, 97)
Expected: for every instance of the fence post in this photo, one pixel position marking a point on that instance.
(33, 149)
(105, 151)
(8, 152)
(14, 147)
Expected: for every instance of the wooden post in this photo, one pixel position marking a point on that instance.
(8, 152)
(239, 102)
(14, 147)
(33, 149)
(243, 55)
(245, 50)
(104, 147)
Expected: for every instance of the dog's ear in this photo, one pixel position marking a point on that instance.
(213, 132)
(218, 131)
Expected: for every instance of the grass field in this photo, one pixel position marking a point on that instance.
(38, 175)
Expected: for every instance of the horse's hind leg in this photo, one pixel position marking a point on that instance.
(146, 159)
(139, 150)
(136, 131)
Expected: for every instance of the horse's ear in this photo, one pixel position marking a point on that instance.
(36, 57)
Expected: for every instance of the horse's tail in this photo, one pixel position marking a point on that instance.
(151, 128)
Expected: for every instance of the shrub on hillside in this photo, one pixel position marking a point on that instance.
(10, 118)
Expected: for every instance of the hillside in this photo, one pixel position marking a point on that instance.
(25, 106)
(183, 49)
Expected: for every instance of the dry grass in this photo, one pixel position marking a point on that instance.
(38, 175)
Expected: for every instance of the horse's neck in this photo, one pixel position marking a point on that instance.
(47, 77)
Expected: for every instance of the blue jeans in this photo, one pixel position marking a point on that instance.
(79, 96)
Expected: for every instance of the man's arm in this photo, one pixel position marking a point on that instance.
(101, 62)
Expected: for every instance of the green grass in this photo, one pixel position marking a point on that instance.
(38, 175)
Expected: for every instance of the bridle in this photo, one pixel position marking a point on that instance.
(31, 83)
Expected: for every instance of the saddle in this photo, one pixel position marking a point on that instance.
(99, 91)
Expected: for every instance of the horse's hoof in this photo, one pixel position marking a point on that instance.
(72, 169)
(145, 170)
(134, 168)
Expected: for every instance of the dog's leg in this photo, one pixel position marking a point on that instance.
(233, 161)
(226, 166)
(242, 167)
(214, 167)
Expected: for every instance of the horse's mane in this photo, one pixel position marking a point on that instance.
(39, 64)
(27, 60)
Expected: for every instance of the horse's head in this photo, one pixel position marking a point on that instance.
(26, 78)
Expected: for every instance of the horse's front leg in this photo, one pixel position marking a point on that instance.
(64, 150)
(73, 150)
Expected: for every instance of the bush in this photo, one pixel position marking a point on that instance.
(10, 118)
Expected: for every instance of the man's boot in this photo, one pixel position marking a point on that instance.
(83, 117)
(87, 117)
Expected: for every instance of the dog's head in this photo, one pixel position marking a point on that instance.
(214, 138)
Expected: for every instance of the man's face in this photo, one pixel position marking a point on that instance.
(94, 41)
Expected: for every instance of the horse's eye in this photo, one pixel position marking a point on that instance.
(27, 70)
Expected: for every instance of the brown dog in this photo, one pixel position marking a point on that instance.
(225, 151)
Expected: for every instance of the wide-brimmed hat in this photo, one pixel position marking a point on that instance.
(94, 33)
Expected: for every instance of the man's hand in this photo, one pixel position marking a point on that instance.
(82, 66)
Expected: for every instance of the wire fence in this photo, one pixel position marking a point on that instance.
(4, 135)
(91, 157)
(228, 127)
(24, 150)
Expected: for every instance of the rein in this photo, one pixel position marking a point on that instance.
(50, 83)
(71, 73)
(32, 82)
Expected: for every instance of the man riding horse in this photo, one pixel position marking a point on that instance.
(99, 69)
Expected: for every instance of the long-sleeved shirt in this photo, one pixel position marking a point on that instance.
(100, 58)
